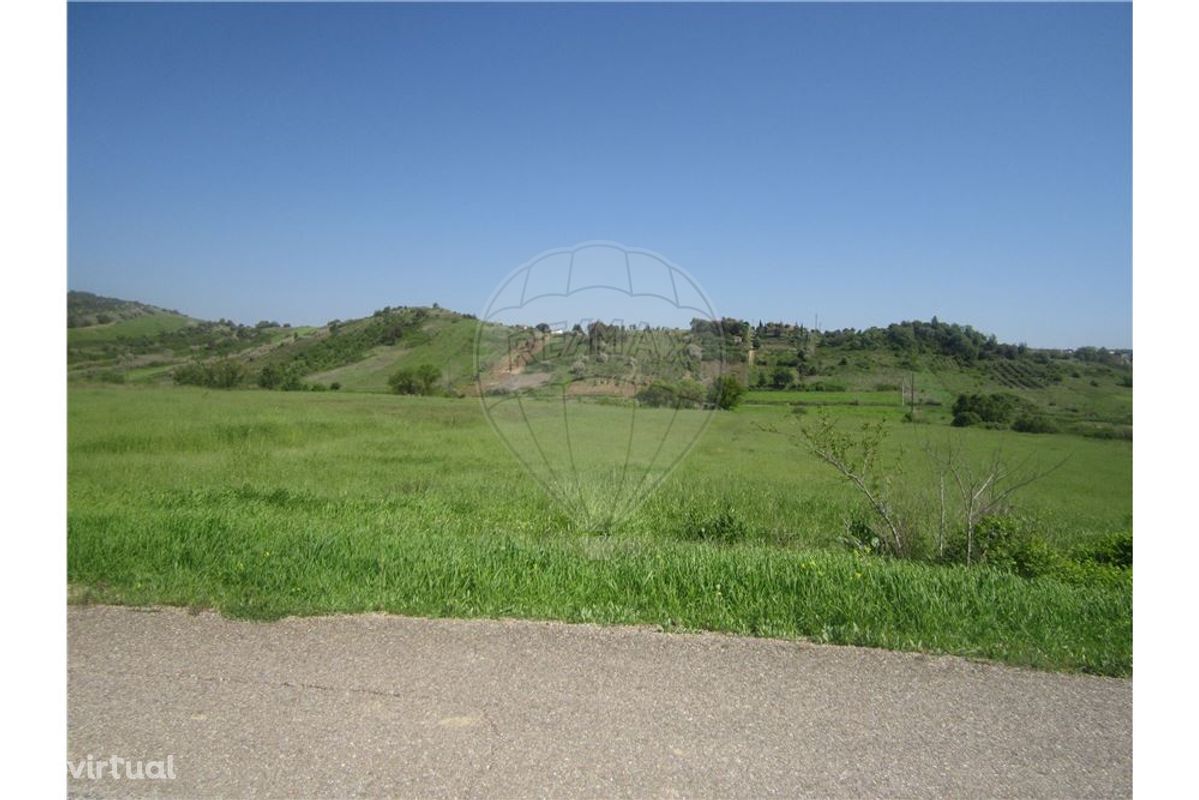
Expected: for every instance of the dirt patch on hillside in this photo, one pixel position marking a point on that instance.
(508, 372)
(528, 380)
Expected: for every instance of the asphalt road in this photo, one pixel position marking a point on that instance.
(379, 706)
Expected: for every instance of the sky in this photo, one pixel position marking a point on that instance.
(863, 163)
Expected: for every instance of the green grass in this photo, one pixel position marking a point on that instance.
(1072, 401)
(265, 504)
(889, 399)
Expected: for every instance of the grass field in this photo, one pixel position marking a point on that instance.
(266, 504)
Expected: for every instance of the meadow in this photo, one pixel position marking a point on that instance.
(266, 504)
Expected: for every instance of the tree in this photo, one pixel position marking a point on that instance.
(192, 374)
(857, 458)
(658, 395)
(964, 419)
(223, 374)
(269, 377)
(984, 489)
(292, 379)
(227, 373)
(997, 408)
(1034, 423)
(663, 394)
(726, 393)
(415, 380)
(782, 377)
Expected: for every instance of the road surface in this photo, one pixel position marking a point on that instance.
(376, 706)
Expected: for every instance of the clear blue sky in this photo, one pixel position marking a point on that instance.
(867, 163)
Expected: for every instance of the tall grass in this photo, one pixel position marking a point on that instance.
(265, 504)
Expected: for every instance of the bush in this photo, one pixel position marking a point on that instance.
(291, 381)
(663, 394)
(782, 377)
(999, 407)
(269, 377)
(189, 374)
(726, 393)
(415, 380)
(223, 374)
(691, 392)
(1005, 544)
(861, 537)
(1034, 423)
(1114, 549)
(658, 395)
(1106, 432)
(965, 419)
(108, 376)
(723, 526)
(335, 386)
(227, 374)
(1008, 544)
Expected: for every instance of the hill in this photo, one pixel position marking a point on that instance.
(926, 367)
(93, 319)
(87, 310)
(933, 372)
(115, 340)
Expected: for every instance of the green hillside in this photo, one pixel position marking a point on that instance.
(925, 367)
(117, 341)
(137, 343)
(92, 319)
(150, 324)
(87, 310)
(927, 372)
(446, 341)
